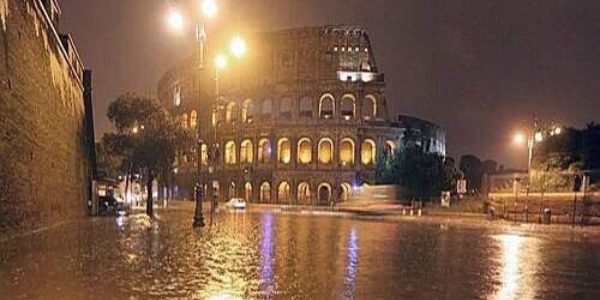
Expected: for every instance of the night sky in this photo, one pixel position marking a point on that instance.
(479, 68)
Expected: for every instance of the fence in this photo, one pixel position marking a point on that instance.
(557, 197)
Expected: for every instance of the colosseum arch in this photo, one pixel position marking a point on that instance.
(193, 119)
(327, 106)
(266, 108)
(285, 108)
(283, 193)
(264, 151)
(246, 152)
(304, 151)
(324, 194)
(230, 111)
(348, 106)
(325, 151)
(368, 151)
(306, 107)
(204, 154)
(248, 191)
(232, 190)
(369, 107)
(184, 120)
(284, 151)
(304, 195)
(346, 191)
(230, 153)
(347, 147)
(389, 147)
(248, 111)
(265, 193)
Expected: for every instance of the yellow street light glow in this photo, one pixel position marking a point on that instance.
(175, 20)
(237, 47)
(519, 138)
(557, 130)
(538, 137)
(220, 62)
(209, 8)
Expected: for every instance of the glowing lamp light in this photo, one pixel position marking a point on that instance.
(557, 130)
(175, 20)
(519, 138)
(209, 8)
(220, 62)
(538, 137)
(238, 47)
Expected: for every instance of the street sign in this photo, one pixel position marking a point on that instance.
(445, 199)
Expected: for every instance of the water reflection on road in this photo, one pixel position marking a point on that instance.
(264, 255)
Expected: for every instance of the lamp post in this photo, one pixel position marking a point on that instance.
(176, 20)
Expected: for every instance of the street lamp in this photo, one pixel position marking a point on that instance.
(176, 21)
(536, 135)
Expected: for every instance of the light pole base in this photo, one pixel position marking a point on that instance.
(198, 221)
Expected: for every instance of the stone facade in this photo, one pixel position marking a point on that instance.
(44, 174)
(300, 120)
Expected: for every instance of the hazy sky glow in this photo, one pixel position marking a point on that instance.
(477, 68)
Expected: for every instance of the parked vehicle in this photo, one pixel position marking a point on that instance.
(236, 203)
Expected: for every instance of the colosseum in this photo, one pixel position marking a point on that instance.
(301, 119)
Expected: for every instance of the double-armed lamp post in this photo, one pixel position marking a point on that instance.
(207, 10)
(534, 135)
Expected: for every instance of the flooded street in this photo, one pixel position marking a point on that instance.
(262, 255)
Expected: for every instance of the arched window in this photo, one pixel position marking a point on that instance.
(184, 121)
(230, 153)
(204, 155)
(324, 194)
(306, 107)
(265, 193)
(264, 151)
(247, 111)
(283, 193)
(248, 191)
(232, 192)
(285, 108)
(304, 151)
(325, 151)
(389, 147)
(193, 119)
(369, 108)
(284, 151)
(326, 106)
(347, 152)
(346, 191)
(367, 152)
(304, 195)
(266, 109)
(347, 106)
(230, 112)
(213, 117)
(246, 152)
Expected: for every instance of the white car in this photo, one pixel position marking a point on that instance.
(237, 203)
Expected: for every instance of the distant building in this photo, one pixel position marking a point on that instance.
(425, 134)
(45, 147)
(300, 120)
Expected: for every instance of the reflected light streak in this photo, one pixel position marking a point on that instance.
(351, 263)
(518, 266)
(266, 252)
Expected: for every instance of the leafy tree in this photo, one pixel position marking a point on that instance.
(473, 169)
(147, 138)
(490, 166)
(421, 175)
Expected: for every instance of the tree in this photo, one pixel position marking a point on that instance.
(473, 169)
(147, 138)
(490, 166)
(421, 175)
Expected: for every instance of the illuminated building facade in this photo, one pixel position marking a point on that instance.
(300, 120)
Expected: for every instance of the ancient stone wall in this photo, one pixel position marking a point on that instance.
(43, 166)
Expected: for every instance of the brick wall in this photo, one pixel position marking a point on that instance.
(43, 169)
